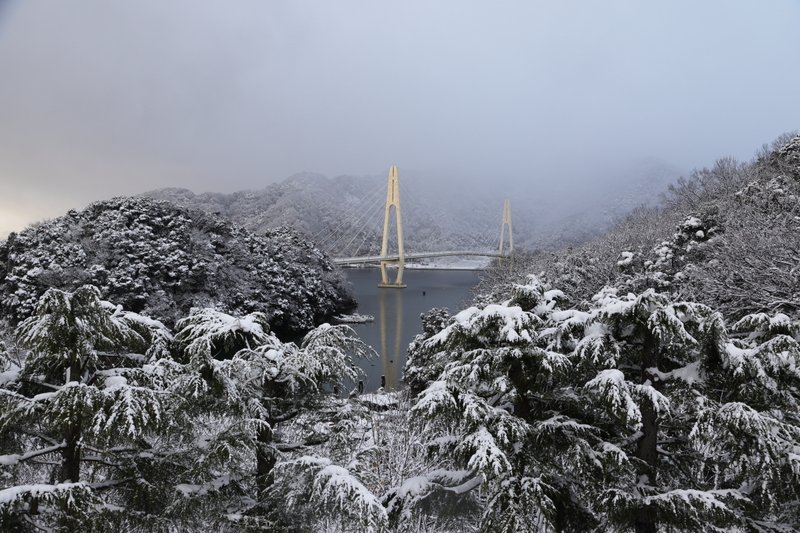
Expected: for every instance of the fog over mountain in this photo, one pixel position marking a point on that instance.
(123, 97)
(345, 213)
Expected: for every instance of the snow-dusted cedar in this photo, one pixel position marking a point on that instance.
(634, 411)
(332, 492)
(484, 417)
(260, 384)
(81, 402)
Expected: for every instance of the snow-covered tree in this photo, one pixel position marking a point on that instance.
(629, 411)
(87, 396)
(500, 418)
(424, 365)
(245, 372)
(747, 432)
(156, 258)
(639, 357)
(102, 428)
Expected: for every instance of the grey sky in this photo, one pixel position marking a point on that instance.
(118, 97)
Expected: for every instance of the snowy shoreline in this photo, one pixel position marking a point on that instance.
(461, 265)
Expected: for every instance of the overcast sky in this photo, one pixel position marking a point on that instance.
(107, 97)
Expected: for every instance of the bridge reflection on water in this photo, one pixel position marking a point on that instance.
(397, 313)
(391, 377)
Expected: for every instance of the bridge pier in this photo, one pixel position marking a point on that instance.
(398, 281)
(506, 223)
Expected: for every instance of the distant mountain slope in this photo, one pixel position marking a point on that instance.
(154, 257)
(436, 214)
(727, 236)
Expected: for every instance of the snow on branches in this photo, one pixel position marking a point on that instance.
(110, 420)
(634, 410)
(332, 491)
(81, 391)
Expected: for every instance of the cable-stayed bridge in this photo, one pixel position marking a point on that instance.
(341, 240)
(411, 256)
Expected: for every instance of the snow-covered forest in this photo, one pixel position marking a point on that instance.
(647, 380)
(154, 257)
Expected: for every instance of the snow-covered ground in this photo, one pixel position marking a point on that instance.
(353, 318)
(451, 263)
(440, 263)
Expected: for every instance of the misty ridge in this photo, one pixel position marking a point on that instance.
(346, 212)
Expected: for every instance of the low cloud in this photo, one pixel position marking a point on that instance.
(121, 97)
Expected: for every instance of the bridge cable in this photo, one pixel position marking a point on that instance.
(354, 229)
(357, 251)
(329, 231)
(412, 202)
(356, 222)
(407, 200)
(349, 221)
(364, 229)
(364, 239)
(356, 209)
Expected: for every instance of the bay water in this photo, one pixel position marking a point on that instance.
(397, 314)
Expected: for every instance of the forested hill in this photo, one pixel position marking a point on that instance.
(728, 236)
(545, 216)
(154, 257)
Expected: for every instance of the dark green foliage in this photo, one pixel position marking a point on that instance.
(630, 411)
(153, 257)
(101, 428)
(80, 407)
(422, 366)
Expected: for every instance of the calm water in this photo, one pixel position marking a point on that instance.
(397, 311)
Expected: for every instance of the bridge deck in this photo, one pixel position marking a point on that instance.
(407, 257)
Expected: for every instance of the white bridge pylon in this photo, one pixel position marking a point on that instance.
(399, 257)
(506, 223)
(392, 200)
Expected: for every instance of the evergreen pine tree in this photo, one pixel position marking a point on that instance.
(84, 401)
(631, 412)
(246, 373)
(501, 419)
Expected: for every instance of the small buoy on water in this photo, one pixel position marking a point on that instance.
(423, 293)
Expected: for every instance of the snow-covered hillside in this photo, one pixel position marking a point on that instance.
(438, 214)
(153, 257)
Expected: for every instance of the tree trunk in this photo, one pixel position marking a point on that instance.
(70, 472)
(266, 454)
(71, 454)
(646, 449)
(517, 375)
(266, 458)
